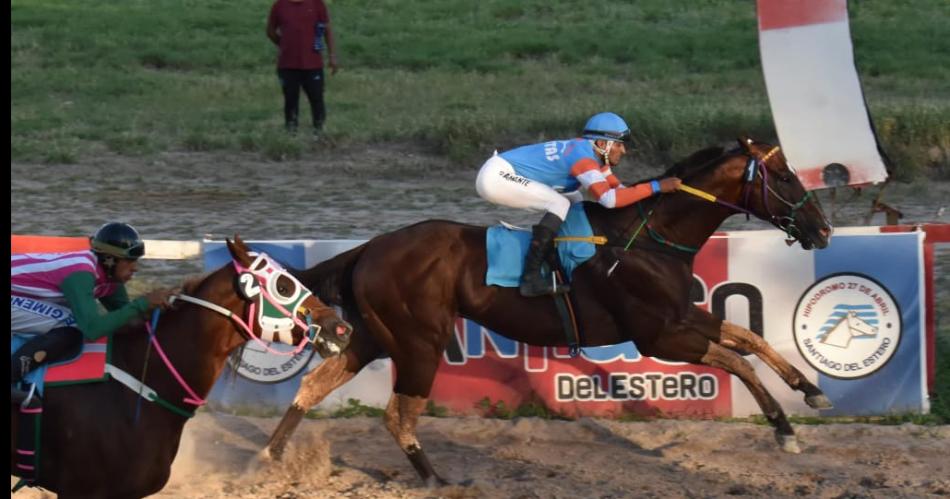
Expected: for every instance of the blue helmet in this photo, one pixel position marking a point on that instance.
(607, 126)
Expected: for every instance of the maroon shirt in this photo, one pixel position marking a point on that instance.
(295, 23)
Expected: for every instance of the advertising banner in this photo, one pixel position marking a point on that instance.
(850, 317)
(850, 323)
(856, 318)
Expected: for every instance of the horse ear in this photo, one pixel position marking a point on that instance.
(239, 250)
(744, 142)
(231, 247)
(238, 242)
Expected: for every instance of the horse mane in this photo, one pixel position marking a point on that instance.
(696, 162)
(191, 284)
(189, 287)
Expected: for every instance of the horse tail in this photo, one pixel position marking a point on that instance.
(331, 280)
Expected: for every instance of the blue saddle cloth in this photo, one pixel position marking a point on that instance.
(507, 249)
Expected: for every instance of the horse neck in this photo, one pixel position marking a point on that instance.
(200, 355)
(687, 221)
(691, 221)
(196, 341)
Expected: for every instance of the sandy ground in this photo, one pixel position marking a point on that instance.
(360, 193)
(535, 458)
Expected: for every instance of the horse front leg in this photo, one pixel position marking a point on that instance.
(314, 387)
(733, 363)
(689, 341)
(401, 418)
(736, 337)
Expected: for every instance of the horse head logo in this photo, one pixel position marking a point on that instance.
(848, 322)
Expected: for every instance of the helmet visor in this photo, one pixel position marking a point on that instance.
(623, 136)
(136, 251)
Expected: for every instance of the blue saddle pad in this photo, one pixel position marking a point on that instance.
(507, 249)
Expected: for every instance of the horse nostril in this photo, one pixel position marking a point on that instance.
(825, 231)
(343, 329)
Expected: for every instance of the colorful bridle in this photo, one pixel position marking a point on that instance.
(259, 282)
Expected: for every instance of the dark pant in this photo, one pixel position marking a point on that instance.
(312, 82)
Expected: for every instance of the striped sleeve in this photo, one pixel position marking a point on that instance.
(589, 174)
(611, 178)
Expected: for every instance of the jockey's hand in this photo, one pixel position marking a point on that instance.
(670, 184)
(159, 298)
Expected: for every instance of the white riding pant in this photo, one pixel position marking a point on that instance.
(498, 183)
(32, 316)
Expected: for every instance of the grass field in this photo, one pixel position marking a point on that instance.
(137, 77)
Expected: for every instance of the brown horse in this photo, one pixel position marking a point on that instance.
(403, 291)
(101, 440)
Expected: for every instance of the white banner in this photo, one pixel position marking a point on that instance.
(815, 94)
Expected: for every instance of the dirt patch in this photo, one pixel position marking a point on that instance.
(536, 458)
(336, 194)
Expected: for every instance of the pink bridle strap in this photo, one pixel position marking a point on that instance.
(194, 398)
(250, 319)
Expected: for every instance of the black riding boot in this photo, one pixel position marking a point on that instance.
(532, 283)
(55, 345)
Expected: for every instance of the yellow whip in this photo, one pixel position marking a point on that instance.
(698, 193)
(603, 240)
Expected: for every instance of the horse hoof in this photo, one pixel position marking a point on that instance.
(436, 481)
(267, 455)
(819, 401)
(789, 443)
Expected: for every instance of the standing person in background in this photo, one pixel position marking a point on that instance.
(301, 31)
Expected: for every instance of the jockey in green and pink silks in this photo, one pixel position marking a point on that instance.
(53, 295)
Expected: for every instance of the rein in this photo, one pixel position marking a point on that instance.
(247, 329)
(755, 167)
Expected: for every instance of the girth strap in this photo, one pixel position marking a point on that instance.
(128, 380)
(144, 390)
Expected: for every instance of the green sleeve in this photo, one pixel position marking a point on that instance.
(118, 299)
(78, 290)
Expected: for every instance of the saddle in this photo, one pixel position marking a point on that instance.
(82, 363)
(506, 246)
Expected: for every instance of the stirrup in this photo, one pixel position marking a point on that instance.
(532, 288)
(23, 398)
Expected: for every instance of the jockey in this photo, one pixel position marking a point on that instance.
(551, 175)
(53, 296)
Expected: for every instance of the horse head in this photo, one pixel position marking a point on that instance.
(756, 179)
(772, 191)
(287, 311)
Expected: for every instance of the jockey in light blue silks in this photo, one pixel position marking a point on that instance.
(549, 176)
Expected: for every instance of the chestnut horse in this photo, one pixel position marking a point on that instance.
(403, 291)
(101, 440)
